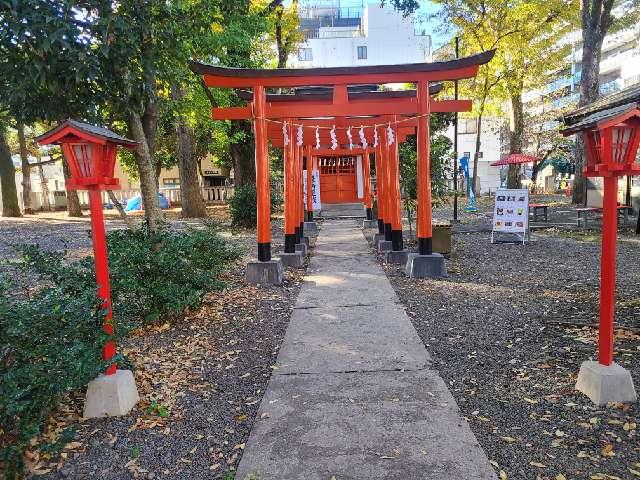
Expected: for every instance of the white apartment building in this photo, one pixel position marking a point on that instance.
(339, 36)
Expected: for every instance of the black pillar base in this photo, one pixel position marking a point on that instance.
(425, 246)
(298, 234)
(309, 215)
(264, 251)
(381, 226)
(387, 232)
(396, 240)
(301, 227)
(369, 214)
(290, 242)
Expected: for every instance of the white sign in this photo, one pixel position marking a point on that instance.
(359, 180)
(315, 188)
(511, 212)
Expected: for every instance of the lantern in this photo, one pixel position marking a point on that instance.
(90, 152)
(611, 146)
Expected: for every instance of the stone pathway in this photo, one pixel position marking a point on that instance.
(353, 395)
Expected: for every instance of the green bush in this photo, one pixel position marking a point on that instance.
(243, 205)
(50, 341)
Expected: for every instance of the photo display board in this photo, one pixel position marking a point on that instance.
(511, 212)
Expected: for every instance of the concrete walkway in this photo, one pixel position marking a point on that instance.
(353, 395)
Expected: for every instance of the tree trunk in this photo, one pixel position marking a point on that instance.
(242, 154)
(474, 178)
(118, 206)
(595, 23)
(73, 202)
(516, 129)
(190, 192)
(26, 170)
(10, 205)
(146, 173)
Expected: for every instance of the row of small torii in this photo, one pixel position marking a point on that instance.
(330, 107)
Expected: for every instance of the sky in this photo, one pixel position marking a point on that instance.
(427, 8)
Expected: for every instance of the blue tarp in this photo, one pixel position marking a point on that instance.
(135, 203)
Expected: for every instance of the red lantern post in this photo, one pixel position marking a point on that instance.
(90, 152)
(611, 140)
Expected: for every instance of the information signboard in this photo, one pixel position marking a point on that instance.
(511, 213)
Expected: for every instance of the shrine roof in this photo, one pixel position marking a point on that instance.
(267, 76)
(603, 108)
(75, 126)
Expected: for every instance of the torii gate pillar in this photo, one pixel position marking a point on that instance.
(424, 263)
(265, 270)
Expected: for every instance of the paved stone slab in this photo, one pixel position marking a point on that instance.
(353, 396)
(361, 426)
(361, 338)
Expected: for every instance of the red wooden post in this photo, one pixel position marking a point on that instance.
(309, 156)
(425, 243)
(289, 197)
(262, 176)
(102, 273)
(379, 187)
(366, 173)
(301, 200)
(396, 205)
(608, 270)
(388, 187)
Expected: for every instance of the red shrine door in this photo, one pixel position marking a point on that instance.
(338, 181)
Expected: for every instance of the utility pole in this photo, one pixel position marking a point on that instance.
(455, 145)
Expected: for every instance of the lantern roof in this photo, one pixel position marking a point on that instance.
(616, 107)
(85, 131)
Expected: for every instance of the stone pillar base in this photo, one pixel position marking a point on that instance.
(111, 395)
(295, 259)
(267, 273)
(304, 241)
(605, 383)
(398, 257)
(425, 266)
(310, 228)
(384, 245)
(369, 224)
(302, 249)
(377, 237)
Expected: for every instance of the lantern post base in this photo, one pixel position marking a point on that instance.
(425, 266)
(266, 273)
(605, 383)
(111, 395)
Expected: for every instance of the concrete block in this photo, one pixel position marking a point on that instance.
(605, 383)
(398, 257)
(425, 266)
(310, 228)
(267, 273)
(304, 240)
(377, 237)
(384, 245)
(111, 395)
(369, 224)
(295, 259)
(302, 248)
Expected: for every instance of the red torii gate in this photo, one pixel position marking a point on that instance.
(340, 104)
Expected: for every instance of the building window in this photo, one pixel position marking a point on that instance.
(467, 125)
(305, 55)
(362, 52)
(170, 182)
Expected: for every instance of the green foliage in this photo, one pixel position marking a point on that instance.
(50, 343)
(50, 340)
(440, 156)
(243, 205)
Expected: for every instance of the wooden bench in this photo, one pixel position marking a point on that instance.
(539, 206)
(621, 210)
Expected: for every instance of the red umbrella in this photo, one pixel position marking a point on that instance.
(515, 158)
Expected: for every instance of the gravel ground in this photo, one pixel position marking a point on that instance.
(200, 379)
(492, 330)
